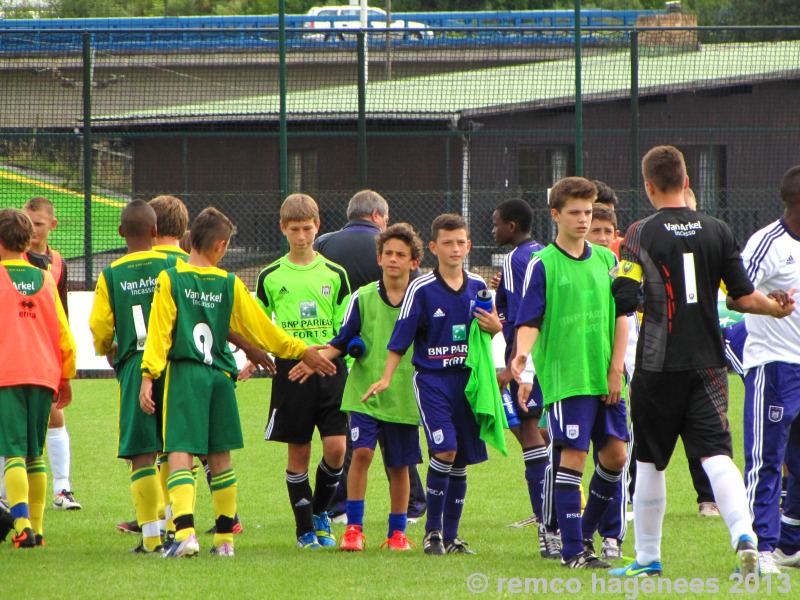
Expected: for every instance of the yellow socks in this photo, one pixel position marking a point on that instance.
(181, 495)
(37, 493)
(223, 497)
(146, 493)
(15, 478)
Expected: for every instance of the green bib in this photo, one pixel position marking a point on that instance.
(573, 351)
(205, 304)
(396, 404)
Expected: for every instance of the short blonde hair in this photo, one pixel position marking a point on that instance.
(16, 229)
(299, 207)
(40, 203)
(172, 216)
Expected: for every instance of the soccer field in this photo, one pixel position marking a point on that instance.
(86, 557)
(17, 188)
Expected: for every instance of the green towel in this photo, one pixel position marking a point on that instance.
(482, 392)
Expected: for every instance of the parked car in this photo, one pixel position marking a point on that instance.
(349, 17)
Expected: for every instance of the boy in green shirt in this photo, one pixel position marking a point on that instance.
(372, 313)
(308, 296)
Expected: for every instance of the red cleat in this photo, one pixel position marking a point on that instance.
(399, 542)
(353, 539)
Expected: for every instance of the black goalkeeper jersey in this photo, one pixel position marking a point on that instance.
(683, 256)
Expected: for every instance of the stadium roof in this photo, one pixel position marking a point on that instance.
(465, 94)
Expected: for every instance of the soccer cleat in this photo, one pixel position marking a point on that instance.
(237, 529)
(585, 560)
(432, 543)
(636, 570)
(26, 539)
(64, 500)
(782, 559)
(323, 526)
(186, 549)
(340, 519)
(39, 540)
(747, 556)
(588, 545)
(531, 521)
(766, 564)
(398, 542)
(225, 550)
(457, 546)
(353, 540)
(129, 527)
(409, 520)
(708, 509)
(6, 524)
(139, 549)
(308, 540)
(549, 543)
(611, 549)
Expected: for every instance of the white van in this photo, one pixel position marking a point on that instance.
(376, 19)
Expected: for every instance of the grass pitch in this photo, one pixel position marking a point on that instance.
(86, 557)
(17, 188)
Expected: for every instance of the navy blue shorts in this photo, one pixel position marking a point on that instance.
(448, 419)
(576, 421)
(400, 441)
(535, 401)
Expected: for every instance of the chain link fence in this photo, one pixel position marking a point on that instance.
(440, 120)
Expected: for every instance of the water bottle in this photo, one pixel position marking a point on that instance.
(356, 347)
(483, 299)
(510, 409)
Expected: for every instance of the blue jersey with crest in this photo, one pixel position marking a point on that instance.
(436, 318)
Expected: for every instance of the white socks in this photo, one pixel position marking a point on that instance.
(730, 495)
(58, 452)
(649, 506)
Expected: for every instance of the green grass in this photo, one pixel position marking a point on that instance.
(86, 558)
(16, 189)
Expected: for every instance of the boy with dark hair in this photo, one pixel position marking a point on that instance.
(118, 321)
(679, 256)
(511, 222)
(578, 342)
(194, 306)
(40, 254)
(308, 295)
(371, 316)
(34, 319)
(435, 317)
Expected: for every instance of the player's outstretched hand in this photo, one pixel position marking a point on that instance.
(518, 364)
(260, 358)
(146, 396)
(300, 372)
(522, 395)
(247, 371)
(489, 321)
(375, 389)
(320, 364)
(785, 300)
(495, 282)
(64, 397)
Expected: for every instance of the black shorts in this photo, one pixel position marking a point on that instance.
(295, 409)
(690, 404)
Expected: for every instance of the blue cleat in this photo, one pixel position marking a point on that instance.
(308, 540)
(187, 548)
(322, 524)
(636, 570)
(747, 557)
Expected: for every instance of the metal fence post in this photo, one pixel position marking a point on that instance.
(283, 133)
(87, 161)
(362, 109)
(578, 94)
(635, 123)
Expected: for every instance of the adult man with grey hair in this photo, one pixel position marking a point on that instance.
(353, 247)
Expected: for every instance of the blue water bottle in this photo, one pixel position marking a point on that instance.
(483, 299)
(510, 408)
(356, 347)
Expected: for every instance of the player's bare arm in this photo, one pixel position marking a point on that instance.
(526, 338)
(146, 396)
(757, 303)
(64, 397)
(320, 364)
(489, 321)
(392, 362)
(616, 368)
(256, 356)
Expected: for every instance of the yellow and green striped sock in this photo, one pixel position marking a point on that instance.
(146, 492)
(15, 478)
(181, 495)
(37, 493)
(223, 497)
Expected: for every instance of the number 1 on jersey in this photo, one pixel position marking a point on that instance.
(139, 326)
(689, 278)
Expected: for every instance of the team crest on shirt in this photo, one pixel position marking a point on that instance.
(353, 433)
(326, 290)
(438, 436)
(775, 413)
(573, 431)
(308, 310)
(459, 333)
